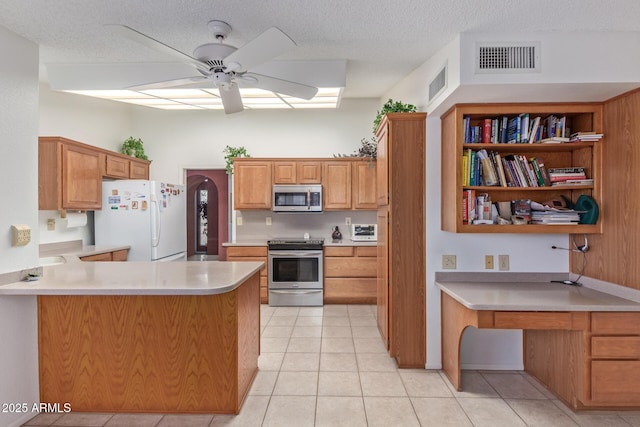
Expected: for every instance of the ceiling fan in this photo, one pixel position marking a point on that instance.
(225, 66)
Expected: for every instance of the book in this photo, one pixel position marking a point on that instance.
(486, 131)
(569, 169)
(503, 129)
(554, 139)
(489, 174)
(467, 129)
(501, 175)
(585, 136)
(511, 181)
(524, 127)
(586, 181)
(543, 170)
(533, 133)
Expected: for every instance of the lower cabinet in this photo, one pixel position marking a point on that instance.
(350, 274)
(253, 253)
(120, 255)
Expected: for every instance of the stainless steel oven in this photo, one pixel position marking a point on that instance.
(295, 272)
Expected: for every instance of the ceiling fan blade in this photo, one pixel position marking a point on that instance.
(285, 87)
(168, 83)
(152, 43)
(231, 99)
(266, 46)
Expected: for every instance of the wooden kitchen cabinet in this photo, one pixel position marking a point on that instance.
(120, 255)
(401, 236)
(125, 167)
(139, 169)
(253, 253)
(364, 185)
(336, 185)
(252, 180)
(297, 172)
(350, 274)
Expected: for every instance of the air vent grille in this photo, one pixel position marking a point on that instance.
(514, 58)
(438, 84)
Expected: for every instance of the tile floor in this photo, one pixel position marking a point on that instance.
(326, 366)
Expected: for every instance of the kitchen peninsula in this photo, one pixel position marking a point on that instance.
(147, 337)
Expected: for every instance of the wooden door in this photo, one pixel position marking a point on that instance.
(382, 294)
(364, 185)
(252, 184)
(336, 178)
(81, 178)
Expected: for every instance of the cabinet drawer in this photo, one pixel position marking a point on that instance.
(366, 251)
(528, 320)
(98, 257)
(615, 347)
(615, 382)
(615, 323)
(338, 251)
(350, 291)
(350, 267)
(246, 251)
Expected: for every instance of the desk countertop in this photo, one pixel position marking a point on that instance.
(533, 296)
(137, 278)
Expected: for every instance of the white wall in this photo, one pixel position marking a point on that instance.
(19, 195)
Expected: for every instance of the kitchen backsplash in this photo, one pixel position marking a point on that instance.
(318, 225)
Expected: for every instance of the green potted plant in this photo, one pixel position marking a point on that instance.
(133, 147)
(392, 107)
(232, 152)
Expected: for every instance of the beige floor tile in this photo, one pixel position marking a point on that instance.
(598, 419)
(473, 385)
(358, 310)
(539, 386)
(282, 321)
(633, 419)
(369, 345)
(382, 384)
(363, 321)
(341, 362)
(337, 345)
(286, 311)
(307, 331)
(134, 420)
(308, 321)
(43, 419)
(270, 361)
(512, 386)
(336, 331)
(334, 411)
(84, 419)
(490, 412)
(304, 345)
(335, 310)
(267, 309)
(290, 411)
(424, 384)
(311, 311)
(263, 383)
(390, 412)
(339, 384)
(301, 362)
(440, 412)
(251, 414)
(540, 412)
(296, 384)
(185, 420)
(273, 345)
(277, 332)
(336, 321)
(365, 332)
(375, 362)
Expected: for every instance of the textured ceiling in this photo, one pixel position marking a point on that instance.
(382, 41)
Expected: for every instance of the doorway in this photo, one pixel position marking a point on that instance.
(207, 214)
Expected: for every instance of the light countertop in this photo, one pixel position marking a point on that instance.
(327, 242)
(137, 278)
(533, 296)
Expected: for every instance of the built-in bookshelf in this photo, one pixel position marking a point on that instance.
(507, 170)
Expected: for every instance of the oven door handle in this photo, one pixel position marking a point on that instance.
(291, 254)
(300, 291)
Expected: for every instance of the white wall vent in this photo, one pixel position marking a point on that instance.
(508, 57)
(438, 84)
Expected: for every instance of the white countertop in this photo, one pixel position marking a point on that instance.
(137, 278)
(533, 296)
(327, 242)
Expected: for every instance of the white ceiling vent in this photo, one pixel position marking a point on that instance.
(438, 84)
(507, 57)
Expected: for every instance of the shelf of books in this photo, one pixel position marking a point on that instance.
(521, 168)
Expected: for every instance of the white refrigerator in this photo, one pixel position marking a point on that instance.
(149, 216)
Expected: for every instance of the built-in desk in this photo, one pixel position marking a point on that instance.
(582, 344)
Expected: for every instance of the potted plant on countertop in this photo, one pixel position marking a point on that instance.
(232, 152)
(133, 147)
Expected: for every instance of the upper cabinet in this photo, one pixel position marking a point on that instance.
(297, 172)
(70, 173)
(252, 180)
(364, 184)
(460, 184)
(336, 185)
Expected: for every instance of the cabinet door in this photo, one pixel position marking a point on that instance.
(284, 172)
(117, 167)
(336, 178)
(120, 255)
(139, 170)
(309, 172)
(252, 184)
(98, 257)
(81, 178)
(382, 293)
(364, 185)
(382, 166)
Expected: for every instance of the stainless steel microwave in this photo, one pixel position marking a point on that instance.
(297, 198)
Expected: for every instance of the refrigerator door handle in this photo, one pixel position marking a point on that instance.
(155, 222)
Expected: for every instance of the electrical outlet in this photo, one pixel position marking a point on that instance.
(347, 220)
(238, 220)
(488, 262)
(503, 262)
(448, 262)
(21, 234)
(268, 220)
(51, 224)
